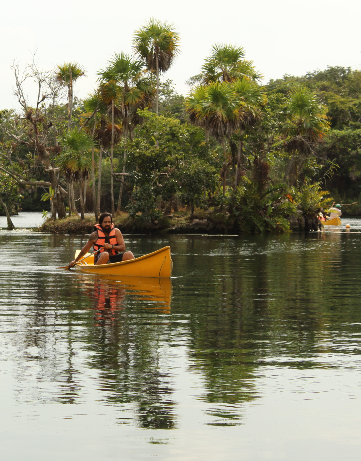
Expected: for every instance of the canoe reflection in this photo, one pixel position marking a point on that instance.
(156, 290)
(109, 293)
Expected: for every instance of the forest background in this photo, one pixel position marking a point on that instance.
(235, 153)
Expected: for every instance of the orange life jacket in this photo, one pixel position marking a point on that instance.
(102, 238)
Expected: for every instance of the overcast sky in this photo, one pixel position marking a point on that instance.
(280, 37)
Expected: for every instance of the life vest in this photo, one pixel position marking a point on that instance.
(102, 238)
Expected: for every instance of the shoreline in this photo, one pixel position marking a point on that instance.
(175, 223)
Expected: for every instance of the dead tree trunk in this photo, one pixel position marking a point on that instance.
(8, 218)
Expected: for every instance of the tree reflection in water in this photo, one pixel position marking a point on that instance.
(128, 346)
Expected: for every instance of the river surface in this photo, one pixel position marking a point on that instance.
(25, 219)
(250, 352)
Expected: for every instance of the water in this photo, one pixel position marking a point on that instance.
(251, 351)
(25, 219)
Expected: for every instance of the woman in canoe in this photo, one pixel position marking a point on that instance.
(108, 243)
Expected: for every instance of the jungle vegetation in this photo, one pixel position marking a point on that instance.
(248, 154)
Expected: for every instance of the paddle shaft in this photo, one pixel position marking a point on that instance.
(87, 256)
(80, 260)
(346, 204)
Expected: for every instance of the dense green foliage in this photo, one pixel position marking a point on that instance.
(254, 157)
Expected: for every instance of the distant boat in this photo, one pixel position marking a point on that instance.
(332, 222)
(156, 264)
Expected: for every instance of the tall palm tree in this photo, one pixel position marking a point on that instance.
(157, 44)
(94, 105)
(127, 73)
(67, 74)
(132, 92)
(75, 159)
(109, 91)
(226, 63)
(306, 127)
(141, 97)
(250, 98)
(215, 108)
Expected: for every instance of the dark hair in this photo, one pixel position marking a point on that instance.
(103, 216)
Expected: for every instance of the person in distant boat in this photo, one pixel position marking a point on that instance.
(108, 243)
(335, 212)
(321, 215)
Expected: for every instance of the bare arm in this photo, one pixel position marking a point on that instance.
(93, 237)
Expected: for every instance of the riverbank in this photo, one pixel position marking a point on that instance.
(180, 222)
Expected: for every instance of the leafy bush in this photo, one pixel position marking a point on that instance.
(142, 208)
(310, 199)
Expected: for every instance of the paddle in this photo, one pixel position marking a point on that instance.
(80, 260)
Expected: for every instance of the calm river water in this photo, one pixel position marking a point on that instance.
(250, 352)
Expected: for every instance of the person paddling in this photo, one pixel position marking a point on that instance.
(108, 242)
(335, 211)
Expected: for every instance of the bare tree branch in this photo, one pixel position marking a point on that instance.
(25, 181)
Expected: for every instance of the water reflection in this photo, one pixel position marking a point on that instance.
(243, 319)
(127, 353)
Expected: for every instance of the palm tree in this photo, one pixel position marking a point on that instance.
(157, 44)
(214, 107)
(94, 105)
(226, 63)
(109, 91)
(132, 92)
(249, 99)
(104, 132)
(67, 74)
(126, 72)
(306, 127)
(140, 97)
(75, 160)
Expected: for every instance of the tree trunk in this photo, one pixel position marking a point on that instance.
(239, 160)
(73, 199)
(69, 196)
(81, 198)
(122, 184)
(224, 166)
(206, 134)
(60, 203)
(95, 209)
(157, 90)
(111, 163)
(70, 98)
(85, 187)
(8, 218)
(99, 179)
(57, 199)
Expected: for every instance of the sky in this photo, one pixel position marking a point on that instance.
(280, 37)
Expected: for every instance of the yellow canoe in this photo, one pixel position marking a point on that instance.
(156, 264)
(332, 222)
